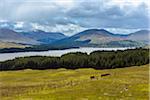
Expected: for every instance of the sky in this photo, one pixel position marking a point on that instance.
(72, 16)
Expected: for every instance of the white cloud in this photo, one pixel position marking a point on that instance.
(68, 29)
(19, 24)
(121, 30)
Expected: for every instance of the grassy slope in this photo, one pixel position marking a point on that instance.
(11, 45)
(61, 84)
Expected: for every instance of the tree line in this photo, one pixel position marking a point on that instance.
(96, 60)
(36, 48)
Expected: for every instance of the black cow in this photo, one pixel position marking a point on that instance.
(92, 77)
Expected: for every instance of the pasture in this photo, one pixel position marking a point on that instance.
(81, 84)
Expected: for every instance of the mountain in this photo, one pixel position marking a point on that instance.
(91, 37)
(36, 37)
(100, 38)
(44, 37)
(7, 35)
(88, 38)
(142, 36)
(97, 36)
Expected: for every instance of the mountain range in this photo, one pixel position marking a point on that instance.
(7, 35)
(44, 37)
(36, 37)
(104, 38)
(88, 38)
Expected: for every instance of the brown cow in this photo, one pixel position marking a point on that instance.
(102, 75)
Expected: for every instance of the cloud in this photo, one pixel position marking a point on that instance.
(71, 15)
(73, 29)
(122, 30)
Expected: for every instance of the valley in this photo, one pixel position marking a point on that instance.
(74, 50)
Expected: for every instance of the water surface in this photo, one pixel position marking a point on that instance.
(9, 56)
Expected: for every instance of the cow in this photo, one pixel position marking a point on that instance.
(92, 77)
(102, 75)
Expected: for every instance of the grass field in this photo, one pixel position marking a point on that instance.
(62, 84)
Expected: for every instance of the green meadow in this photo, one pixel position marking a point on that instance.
(63, 84)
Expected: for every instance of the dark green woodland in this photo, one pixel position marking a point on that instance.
(96, 60)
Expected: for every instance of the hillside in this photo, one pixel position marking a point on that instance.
(11, 45)
(87, 38)
(16, 39)
(103, 38)
(142, 36)
(96, 36)
(123, 83)
(7, 35)
(44, 37)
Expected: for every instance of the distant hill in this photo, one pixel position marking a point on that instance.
(44, 37)
(7, 35)
(96, 36)
(142, 36)
(87, 38)
(26, 33)
(37, 37)
(102, 38)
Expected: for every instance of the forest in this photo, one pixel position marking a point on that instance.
(96, 60)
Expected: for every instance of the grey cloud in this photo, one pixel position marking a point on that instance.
(85, 13)
(111, 17)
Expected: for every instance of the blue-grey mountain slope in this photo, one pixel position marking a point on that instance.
(44, 37)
